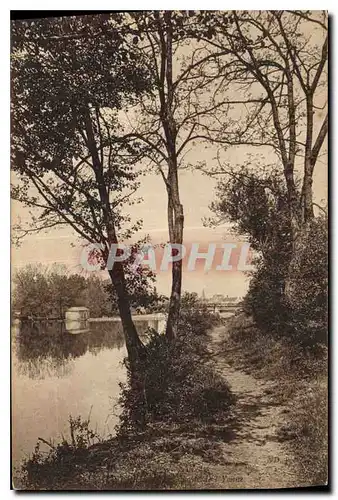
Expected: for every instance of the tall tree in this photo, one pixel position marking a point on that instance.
(277, 61)
(182, 108)
(70, 78)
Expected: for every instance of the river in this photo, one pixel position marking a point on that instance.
(55, 375)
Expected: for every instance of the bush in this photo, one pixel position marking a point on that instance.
(308, 433)
(301, 312)
(265, 356)
(178, 385)
(195, 318)
(265, 300)
(308, 300)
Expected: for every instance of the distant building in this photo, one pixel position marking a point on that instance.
(218, 297)
(221, 299)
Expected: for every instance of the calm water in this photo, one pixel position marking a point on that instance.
(55, 374)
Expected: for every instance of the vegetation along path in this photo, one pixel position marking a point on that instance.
(255, 456)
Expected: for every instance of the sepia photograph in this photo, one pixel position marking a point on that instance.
(169, 250)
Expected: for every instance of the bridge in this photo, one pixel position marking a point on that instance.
(222, 307)
(77, 319)
(154, 320)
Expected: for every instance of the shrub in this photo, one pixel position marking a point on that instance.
(178, 384)
(308, 302)
(265, 299)
(195, 318)
(308, 433)
(301, 314)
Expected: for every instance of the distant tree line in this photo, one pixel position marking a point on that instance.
(41, 291)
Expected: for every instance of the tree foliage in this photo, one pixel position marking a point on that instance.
(46, 292)
(308, 304)
(41, 291)
(70, 77)
(257, 206)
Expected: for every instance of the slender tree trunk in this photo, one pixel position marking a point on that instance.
(293, 200)
(176, 225)
(301, 210)
(307, 191)
(133, 343)
(175, 208)
(176, 284)
(170, 217)
(135, 347)
(308, 169)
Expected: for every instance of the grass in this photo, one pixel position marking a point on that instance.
(166, 456)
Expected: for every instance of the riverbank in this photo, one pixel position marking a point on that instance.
(260, 440)
(188, 415)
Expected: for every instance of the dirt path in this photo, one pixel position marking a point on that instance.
(255, 458)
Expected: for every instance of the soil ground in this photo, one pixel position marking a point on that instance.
(255, 457)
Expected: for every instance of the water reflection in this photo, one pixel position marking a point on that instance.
(56, 374)
(46, 349)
